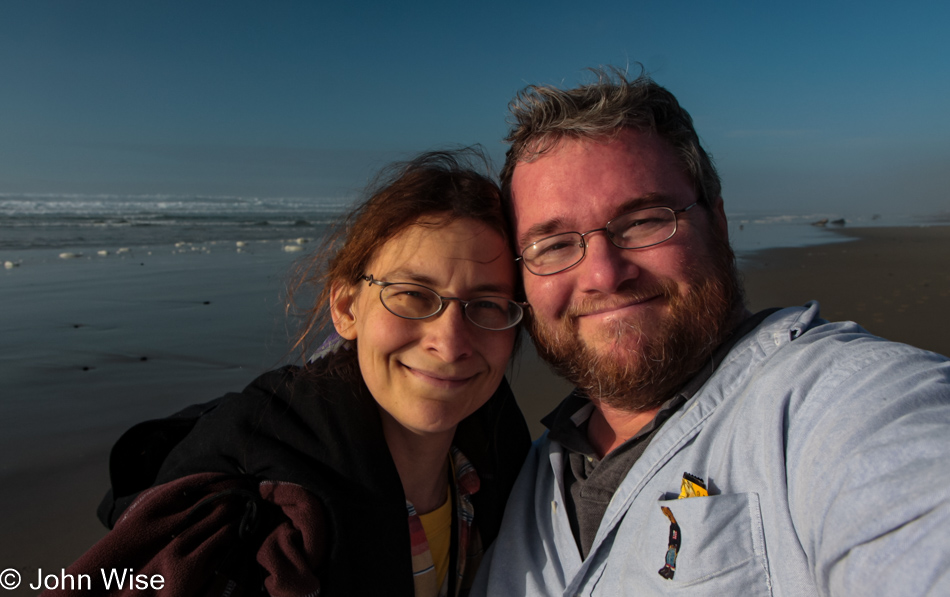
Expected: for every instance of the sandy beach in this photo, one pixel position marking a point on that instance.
(893, 281)
(92, 346)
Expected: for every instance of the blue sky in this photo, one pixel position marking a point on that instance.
(829, 107)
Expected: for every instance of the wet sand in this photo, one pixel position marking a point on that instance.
(893, 281)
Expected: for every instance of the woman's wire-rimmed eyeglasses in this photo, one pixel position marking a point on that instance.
(415, 301)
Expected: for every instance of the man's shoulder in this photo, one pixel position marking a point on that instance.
(796, 355)
(801, 332)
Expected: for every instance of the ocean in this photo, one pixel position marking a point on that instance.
(86, 224)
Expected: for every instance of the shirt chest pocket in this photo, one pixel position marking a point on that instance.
(721, 548)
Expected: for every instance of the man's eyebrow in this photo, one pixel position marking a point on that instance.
(644, 202)
(405, 275)
(542, 229)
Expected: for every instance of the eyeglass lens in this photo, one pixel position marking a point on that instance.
(633, 230)
(418, 302)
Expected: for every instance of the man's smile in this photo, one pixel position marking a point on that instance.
(621, 308)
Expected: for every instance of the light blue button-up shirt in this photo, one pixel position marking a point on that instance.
(827, 454)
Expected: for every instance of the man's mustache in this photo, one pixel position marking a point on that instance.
(624, 297)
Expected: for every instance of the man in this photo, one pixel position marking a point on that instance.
(705, 449)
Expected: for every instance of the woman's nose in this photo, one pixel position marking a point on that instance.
(449, 334)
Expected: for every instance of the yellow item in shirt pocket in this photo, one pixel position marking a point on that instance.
(692, 486)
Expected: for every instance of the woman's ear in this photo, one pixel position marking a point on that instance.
(342, 300)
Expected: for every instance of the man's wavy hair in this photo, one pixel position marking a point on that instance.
(544, 115)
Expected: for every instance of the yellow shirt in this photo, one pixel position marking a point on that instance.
(438, 528)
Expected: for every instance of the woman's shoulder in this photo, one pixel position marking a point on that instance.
(211, 436)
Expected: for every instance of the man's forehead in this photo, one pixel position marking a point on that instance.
(582, 178)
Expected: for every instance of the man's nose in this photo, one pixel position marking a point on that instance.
(605, 267)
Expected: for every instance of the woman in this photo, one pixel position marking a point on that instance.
(379, 468)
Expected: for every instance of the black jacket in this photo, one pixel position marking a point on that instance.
(315, 427)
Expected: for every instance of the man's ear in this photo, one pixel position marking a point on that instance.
(342, 301)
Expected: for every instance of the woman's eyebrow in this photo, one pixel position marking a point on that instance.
(494, 288)
(404, 275)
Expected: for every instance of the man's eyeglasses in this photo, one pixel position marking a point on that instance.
(414, 301)
(633, 230)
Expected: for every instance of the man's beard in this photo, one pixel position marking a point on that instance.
(633, 371)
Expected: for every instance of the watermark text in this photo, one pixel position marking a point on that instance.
(109, 579)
